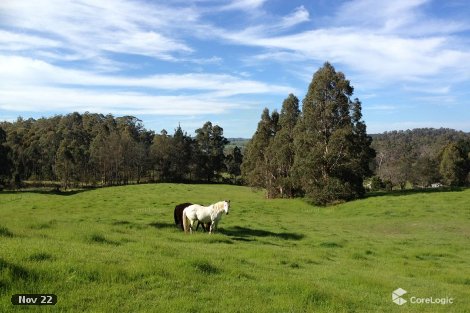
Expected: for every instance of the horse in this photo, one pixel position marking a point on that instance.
(178, 215)
(211, 213)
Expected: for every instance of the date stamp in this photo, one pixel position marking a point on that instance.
(34, 299)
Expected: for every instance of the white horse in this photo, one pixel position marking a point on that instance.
(204, 214)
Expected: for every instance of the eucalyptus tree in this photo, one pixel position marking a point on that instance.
(5, 163)
(454, 165)
(256, 167)
(281, 151)
(332, 149)
(209, 151)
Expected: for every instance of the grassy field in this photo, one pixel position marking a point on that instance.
(117, 250)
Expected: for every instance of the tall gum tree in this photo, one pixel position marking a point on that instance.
(332, 149)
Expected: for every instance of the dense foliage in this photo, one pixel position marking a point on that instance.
(422, 157)
(322, 151)
(91, 149)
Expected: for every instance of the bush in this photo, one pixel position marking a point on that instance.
(376, 184)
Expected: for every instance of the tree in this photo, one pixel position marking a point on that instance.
(255, 168)
(453, 166)
(5, 163)
(161, 153)
(425, 171)
(72, 157)
(209, 152)
(332, 149)
(181, 154)
(362, 153)
(99, 157)
(281, 150)
(413, 155)
(65, 164)
(233, 162)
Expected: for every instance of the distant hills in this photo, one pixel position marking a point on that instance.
(428, 140)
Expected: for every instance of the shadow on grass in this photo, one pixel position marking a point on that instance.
(16, 271)
(98, 238)
(240, 233)
(398, 193)
(5, 232)
(205, 267)
(163, 225)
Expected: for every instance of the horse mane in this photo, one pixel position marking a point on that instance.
(219, 206)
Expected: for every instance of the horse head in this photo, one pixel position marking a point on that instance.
(226, 206)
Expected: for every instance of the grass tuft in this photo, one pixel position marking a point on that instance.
(121, 223)
(5, 232)
(331, 244)
(47, 225)
(16, 271)
(98, 238)
(205, 267)
(40, 256)
(317, 298)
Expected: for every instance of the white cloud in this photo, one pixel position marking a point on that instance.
(91, 29)
(300, 15)
(381, 107)
(403, 17)
(37, 99)
(10, 41)
(32, 85)
(376, 48)
(430, 88)
(387, 15)
(245, 5)
(25, 71)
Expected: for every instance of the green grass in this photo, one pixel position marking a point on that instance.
(117, 250)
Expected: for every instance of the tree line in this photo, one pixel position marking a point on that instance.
(421, 157)
(95, 149)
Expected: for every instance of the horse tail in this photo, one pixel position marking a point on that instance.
(185, 221)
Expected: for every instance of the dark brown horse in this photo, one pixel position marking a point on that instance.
(178, 215)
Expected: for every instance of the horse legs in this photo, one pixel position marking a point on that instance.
(205, 226)
(191, 223)
(213, 227)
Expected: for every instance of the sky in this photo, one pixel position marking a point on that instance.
(191, 61)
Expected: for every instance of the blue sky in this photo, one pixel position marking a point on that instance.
(190, 61)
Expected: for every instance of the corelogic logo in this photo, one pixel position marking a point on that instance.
(396, 296)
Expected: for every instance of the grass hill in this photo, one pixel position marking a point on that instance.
(117, 250)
